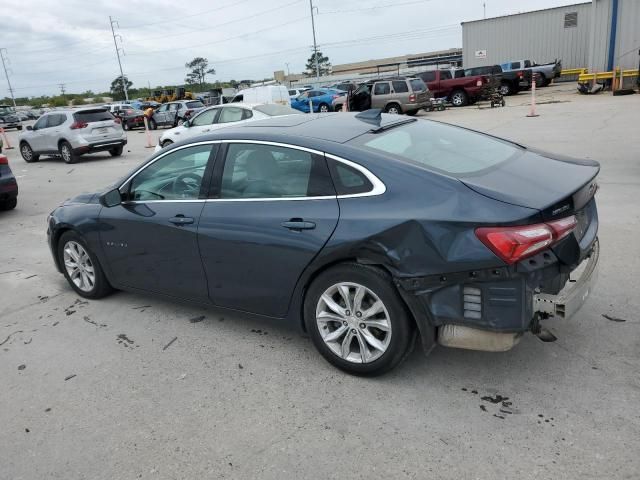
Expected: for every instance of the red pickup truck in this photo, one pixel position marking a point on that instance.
(458, 91)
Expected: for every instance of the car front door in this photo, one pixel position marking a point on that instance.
(161, 114)
(202, 123)
(272, 210)
(37, 137)
(301, 102)
(150, 239)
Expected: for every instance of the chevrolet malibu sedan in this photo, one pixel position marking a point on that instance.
(365, 230)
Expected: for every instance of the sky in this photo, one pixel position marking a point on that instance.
(52, 42)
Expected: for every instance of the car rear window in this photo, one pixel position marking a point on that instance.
(417, 85)
(195, 104)
(274, 109)
(445, 148)
(89, 116)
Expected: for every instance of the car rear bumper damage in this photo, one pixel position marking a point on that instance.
(490, 310)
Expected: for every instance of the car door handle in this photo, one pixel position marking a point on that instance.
(298, 224)
(181, 220)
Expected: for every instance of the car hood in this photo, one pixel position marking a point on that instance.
(83, 198)
(535, 179)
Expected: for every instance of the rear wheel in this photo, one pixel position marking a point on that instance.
(357, 321)
(116, 152)
(505, 88)
(27, 153)
(394, 109)
(81, 267)
(66, 152)
(9, 204)
(323, 108)
(459, 98)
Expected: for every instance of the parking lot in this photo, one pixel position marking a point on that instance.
(134, 386)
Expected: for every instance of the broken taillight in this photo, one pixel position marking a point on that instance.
(513, 244)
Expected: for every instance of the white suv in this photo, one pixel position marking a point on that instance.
(71, 133)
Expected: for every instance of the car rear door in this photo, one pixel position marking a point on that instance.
(273, 208)
(52, 134)
(150, 239)
(380, 94)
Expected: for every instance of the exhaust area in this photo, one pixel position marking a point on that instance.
(456, 336)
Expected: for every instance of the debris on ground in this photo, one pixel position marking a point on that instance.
(613, 319)
(69, 377)
(197, 319)
(10, 335)
(22, 367)
(169, 344)
(93, 322)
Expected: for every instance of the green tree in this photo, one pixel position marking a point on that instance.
(323, 65)
(199, 67)
(117, 88)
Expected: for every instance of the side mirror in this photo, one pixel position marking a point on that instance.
(29, 127)
(186, 124)
(112, 198)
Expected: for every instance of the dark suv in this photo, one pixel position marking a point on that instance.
(8, 118)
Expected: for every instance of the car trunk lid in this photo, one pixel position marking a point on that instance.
(100, 125)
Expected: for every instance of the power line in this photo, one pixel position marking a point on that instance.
(375, 7)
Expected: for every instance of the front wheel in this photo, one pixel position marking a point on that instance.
(27, 153)
(357, 321)
(323, 108)
(81, 267)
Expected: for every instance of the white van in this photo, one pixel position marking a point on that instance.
(267, 94)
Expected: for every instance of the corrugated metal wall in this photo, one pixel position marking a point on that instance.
(599, 41)
(628, 34)
(539, 36)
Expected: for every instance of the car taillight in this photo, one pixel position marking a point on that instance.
(520, 74)
(513, 244)
(77, 124)
(412, 97)
(4, 160)
(479, 82)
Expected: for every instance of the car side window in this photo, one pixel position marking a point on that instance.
(265, 171)
(348, 180)
(246, 114)
(382, 88)
(173, 107)
(428, 76)
(41, 123)
(57, 119)
(163, 108)
(400, 86)
(515, 65)
(445, 75)
(230, 114)
(176, 176)
(527, 64)
(205, 118)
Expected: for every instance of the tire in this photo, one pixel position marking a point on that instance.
(337, 108)
(9, 204)
(66, 152)
(411, 113)
(116, 152)
(166, 143)
(394, 109)
(324, 108)
(27, 153)
(505, 89)
(100, 286)
(542, 82)
(393, 345)
(459, 98)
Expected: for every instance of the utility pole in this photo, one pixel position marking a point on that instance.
(62, 85)
(484, 9)
(315, 45)
(115, 43)
(3, 52)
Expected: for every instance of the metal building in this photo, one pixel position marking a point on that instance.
(597, 35)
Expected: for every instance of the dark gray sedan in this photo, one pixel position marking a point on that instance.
(364, 230)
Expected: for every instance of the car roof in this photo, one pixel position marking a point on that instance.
(338, 127)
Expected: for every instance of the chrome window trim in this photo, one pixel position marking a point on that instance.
(378, 186)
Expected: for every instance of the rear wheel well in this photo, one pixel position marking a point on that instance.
(346, 261)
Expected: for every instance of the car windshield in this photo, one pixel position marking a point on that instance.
(4, 110)
(444, 148)
(195, 104)
(274, 110)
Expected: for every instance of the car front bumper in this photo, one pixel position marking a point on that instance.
(10, 125)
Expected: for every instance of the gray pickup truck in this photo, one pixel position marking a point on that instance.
(8, 118)
(545, 72)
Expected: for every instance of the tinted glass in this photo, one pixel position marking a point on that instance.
(381, 88)
(265, 171)
(56, 119)
(515, 64)
(400, 86)
(445, 148)
(230, 114)
(417, 85)
(89, 116)
(41, 123)
(196, 104)
(445, 74)
(274, 109)
(348, 180)
(292, 92)
(176, 176)
(205, 118)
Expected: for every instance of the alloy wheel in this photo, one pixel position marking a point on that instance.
(324, 108)
(79, 266)
(66, 153)
(353, 322)
(393, 111)
(27, 154)
(457, 99)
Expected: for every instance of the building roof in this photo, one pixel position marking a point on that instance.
(526, 13)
